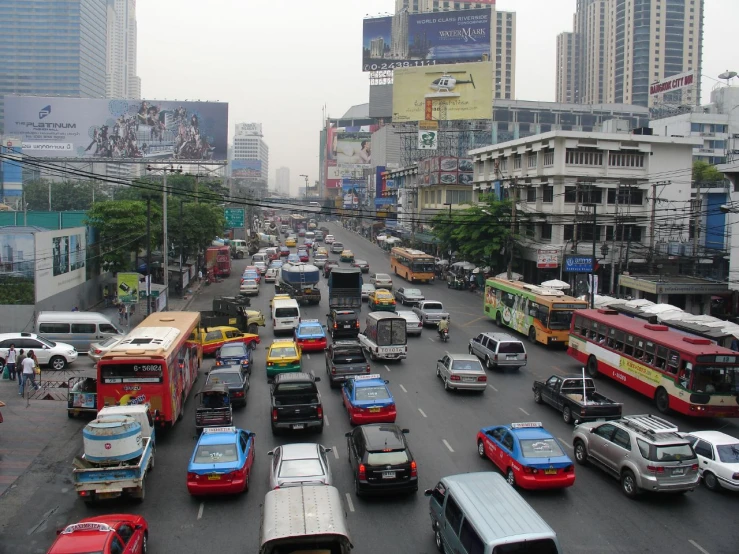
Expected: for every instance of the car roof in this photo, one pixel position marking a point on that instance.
(214, 436)
(406, 313)
(299, 451)
(84, 540)
(378, 436)
(530, 432)
(500, 337)
(231, 368)
(714, 437)
(346, 343)
(4, 336)
(282, 342)
(463, 357)
(235, 345)
(383, 291)
(294, 377)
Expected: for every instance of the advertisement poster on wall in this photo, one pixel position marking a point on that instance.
(117, 128)
(17, 268)
(128, 288)
(60, 261)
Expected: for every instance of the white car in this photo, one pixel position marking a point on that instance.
(99, 349)
(249, 287)
(718, 458)
(57, 355)
(261, 267)
(367, 289)
(271, 275)
(299, 464)
(330, 239)
(382, 281)
(337, 248)
(413, 325)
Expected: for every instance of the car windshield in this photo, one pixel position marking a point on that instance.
(716, 379)
(673, 453)
(466, 365)
(301, 468)
(372, 393)
(232, 350)
(387, 458)
(423, 267)
(728, 453)
(540, 448)
(311, 330)
(283, 352)
(249, 282)
(230, 378)
(216, 454)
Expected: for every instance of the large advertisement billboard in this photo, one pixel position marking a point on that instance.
(404, 39)
(246, 169)
(117, 128)
(465, 91)
(673, 82)
(60, 261)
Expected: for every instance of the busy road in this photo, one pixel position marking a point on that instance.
(592, 516)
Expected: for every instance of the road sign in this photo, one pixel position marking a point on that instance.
(578, 264)
(547, 259)
(234, 218)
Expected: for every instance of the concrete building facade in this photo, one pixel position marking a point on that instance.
(249, 144)
(565, 77)
(122, 40)
(282, 181)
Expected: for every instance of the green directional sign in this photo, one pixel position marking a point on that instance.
(234, 218)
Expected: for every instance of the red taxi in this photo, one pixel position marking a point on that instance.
(310, 336)
(109, 534)
(368, 399)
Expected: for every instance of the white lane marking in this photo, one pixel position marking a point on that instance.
(492, 387)
(386, 367)
(524, 411)
(336, 452)
(432, 340)
(307, 355)
(423, 414)
(698, 546)
(349, 502)
(403, 388)
(325, 419)
(567, 444)
(200, 510)
(449, 446)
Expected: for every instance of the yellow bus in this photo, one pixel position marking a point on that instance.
(412, 265)
(542, 314)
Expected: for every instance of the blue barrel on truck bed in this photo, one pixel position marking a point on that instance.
(300, 281)
(345, 288)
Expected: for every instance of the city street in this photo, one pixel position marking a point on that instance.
(592, 516)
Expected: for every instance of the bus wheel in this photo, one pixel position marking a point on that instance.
(498, 320)
(592, 367)
(662, 400)
(532, 334)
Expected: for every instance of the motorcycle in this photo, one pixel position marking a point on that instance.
(444, 335)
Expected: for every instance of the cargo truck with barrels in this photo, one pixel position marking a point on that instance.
(300, 281)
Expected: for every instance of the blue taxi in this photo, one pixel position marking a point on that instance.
(310, 335)
(528, 455)
(235, 353)
(368, 399)
(222, 462)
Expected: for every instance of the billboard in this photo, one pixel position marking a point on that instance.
(428, 135)
(424, 39)
(116, 128)
(674, 82)
(17, 268)
(128, 288)
(351, 148)
(246, 169)
(466, 91)
(60, 261)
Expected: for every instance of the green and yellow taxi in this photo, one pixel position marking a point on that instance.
(346, 256)
(291, 241)
(381, 300)
(283, 356)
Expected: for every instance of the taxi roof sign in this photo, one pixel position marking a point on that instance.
(310, 321)
(367, 377)
(527, 425)
(212, 430)
(88, 526)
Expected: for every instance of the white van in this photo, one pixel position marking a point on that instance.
(285, 315)
(76, 328)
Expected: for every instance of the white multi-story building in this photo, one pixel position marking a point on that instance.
(558, 174)
(121, 78)
(282, 180)
(249, 145)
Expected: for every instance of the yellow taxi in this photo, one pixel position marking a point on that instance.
(283, 356)
(321, 250)
(291, 241)
(381, 300)
(346, 256)
(212, 338)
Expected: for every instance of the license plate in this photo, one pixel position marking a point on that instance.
(511, 357)
(281, 365)
(388, 475)
(312, 340)
(299, 426)
(550, 471)
(347, 326)
(308, 291)
(678, 471)
(107, 494)
(374, 410)
(469, 379)
(214, 477)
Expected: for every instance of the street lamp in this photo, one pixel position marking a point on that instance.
(306, 185)
(450, 221)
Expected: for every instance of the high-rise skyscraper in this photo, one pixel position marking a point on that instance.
(623, 46)
(52, 48)
(282, 180)
(249, 145)
(122, 81)
(566, 85)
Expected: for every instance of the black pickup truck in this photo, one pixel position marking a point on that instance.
(296, 403)
(343, 359)
(576, 398)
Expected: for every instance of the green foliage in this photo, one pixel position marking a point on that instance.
(200, 224)
(65, 195)
(479, 237)
(706, 174)
(14, 290)
(122, 228)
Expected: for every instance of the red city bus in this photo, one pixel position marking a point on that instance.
(681, 372)
(157, 362)
(218, 260)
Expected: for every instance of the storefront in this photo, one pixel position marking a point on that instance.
(690, 294)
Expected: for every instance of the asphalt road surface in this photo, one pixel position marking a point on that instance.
(591, 516)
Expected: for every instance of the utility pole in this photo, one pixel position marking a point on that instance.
(182, 246)
(514, 184)
(148, 255)
(577, 211)
(49, 195)
(652, 253)
(697, 205)
(595, 238)
(613, 238)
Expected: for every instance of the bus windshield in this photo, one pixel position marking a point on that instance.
(716, 379)
(560, 319)
(423, 266)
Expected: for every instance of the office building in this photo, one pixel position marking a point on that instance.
(566, 85)
(249, 145)
(52, 48)
(121, 80)
(282, 181)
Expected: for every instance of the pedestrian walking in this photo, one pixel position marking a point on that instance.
(28, 372)
(121, 313)
(10, 361)
(18, 363)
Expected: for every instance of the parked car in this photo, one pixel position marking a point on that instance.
(299, 464)
(367, 289)
(461, 372)
(412, 323)
(410, 296)
(718, 456)
(382, 281)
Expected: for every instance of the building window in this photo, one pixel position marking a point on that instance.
(548, 158)
(459, 196)
(583, 157)
(546, 231)
(626, 195)
(621, 159)
(531, 161)
(517, 161)
(696, 127)
(530, 194)
(548, 194)
(586, 195)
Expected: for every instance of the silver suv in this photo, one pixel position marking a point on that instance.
(644, 452)
(498, 350)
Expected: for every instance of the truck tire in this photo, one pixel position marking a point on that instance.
(498, 320)
(140, 493)
(537, 396)
(567, 415)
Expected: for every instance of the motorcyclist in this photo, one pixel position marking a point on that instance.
(443, 326)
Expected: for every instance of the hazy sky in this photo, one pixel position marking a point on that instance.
(279, 62)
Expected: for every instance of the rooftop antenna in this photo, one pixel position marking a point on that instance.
(727, 76)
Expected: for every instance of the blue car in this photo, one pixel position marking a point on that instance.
(368, 399)
(221, 462)
(293, 259)
(277, 264)
(235, 353)
(310, 336)
(528, 455)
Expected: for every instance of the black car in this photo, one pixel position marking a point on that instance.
(381, 459)
(409, 295)
(237, 382)
(342, 323)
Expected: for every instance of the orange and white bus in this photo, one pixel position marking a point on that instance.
(412, 265)
(681, 372)
(156, 363)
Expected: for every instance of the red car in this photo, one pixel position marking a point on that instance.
(367, 399)
(303, 255)
(222, 462)
(284, 251)
(109, 534)
(310, 336)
